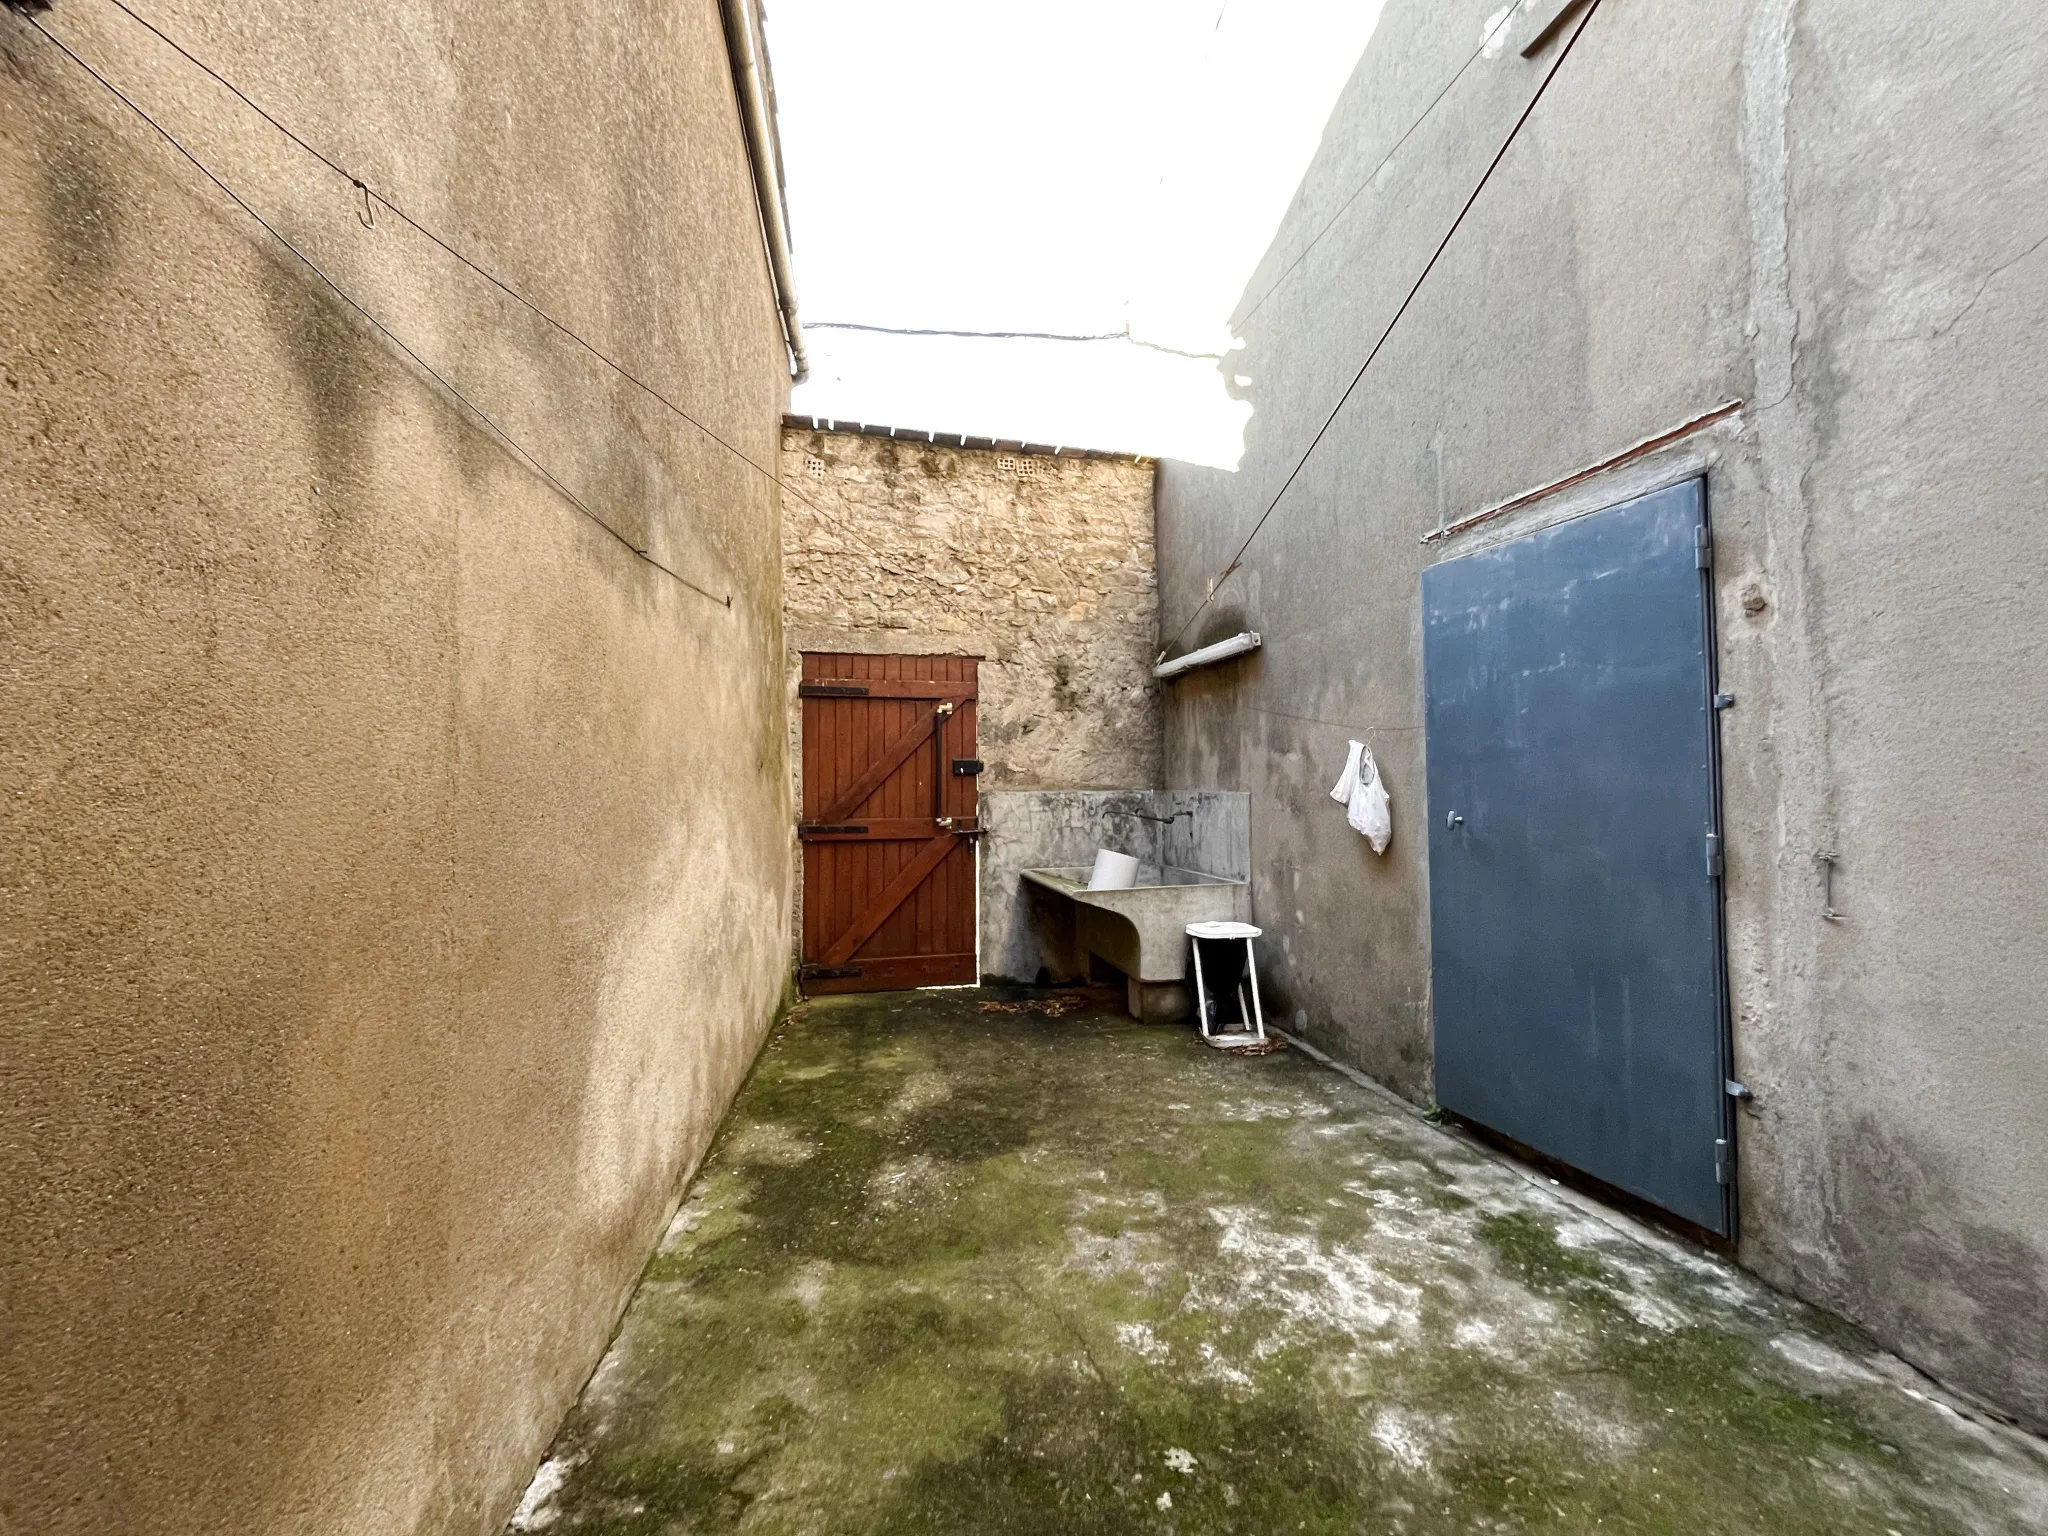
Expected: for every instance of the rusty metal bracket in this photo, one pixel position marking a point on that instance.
(1627, 455)
(1548, 28)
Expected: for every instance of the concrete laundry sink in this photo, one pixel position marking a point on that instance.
(1142, 931)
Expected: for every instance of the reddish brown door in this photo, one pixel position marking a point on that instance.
(888, 821)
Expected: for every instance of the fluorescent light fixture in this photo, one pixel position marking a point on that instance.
(1222, 650)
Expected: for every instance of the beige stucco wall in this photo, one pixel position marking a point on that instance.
(395, 867)
(1041, 564)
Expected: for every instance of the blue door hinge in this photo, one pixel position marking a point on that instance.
(1715, 864)
(1724, 1161)
(1702, 548)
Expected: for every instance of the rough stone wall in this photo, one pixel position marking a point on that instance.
(1040, 564)
(1827, 210)
(394, 867)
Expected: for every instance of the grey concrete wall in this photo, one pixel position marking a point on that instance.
(1027, 933)
(1831, 212)
(395, 868)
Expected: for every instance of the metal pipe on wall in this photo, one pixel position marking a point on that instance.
(748, 49)
(1208, 655)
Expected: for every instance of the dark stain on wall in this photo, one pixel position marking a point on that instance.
(81, 210)
(1219, 622)
(1065, 697)
(326, 350)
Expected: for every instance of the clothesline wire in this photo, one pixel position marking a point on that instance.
(432, 235)
(920, 330)
(1499, 26)
(428, 232)
(1371, 176)
(384, 330)
(1301, 462)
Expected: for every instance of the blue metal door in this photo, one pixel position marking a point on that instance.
(1574, 849)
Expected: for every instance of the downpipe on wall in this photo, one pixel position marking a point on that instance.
(764, 150)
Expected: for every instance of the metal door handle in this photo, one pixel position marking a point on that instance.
(1454, 821)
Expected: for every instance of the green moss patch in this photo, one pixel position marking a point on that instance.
(950, 1270)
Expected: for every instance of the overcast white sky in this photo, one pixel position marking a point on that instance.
(1075, 166)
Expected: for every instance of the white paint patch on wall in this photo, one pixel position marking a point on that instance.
(1495, 30)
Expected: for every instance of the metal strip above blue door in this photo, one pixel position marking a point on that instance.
(1573, 849)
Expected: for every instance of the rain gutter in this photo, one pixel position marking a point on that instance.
(747, 47)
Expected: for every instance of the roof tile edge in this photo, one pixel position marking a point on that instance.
(795, 423)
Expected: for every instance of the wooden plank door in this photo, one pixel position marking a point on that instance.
(888, 825)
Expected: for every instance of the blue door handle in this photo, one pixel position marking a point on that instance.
(1454, 821)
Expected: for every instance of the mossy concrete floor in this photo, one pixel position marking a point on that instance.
(966, 1264)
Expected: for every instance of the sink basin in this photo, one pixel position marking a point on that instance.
(1142, 931)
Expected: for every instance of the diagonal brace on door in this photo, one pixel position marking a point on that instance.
(892, 758)
(892, 896)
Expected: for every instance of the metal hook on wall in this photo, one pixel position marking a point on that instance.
(1827, 862)
(367, 214)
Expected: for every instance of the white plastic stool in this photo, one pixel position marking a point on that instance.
(1212, 932)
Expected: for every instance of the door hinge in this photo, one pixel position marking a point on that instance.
(1715, 864)
(1724, 1161)
(1724, 701)
(1702, 548)
(966, 767)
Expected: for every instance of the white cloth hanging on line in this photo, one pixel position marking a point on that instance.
(1364, 798)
